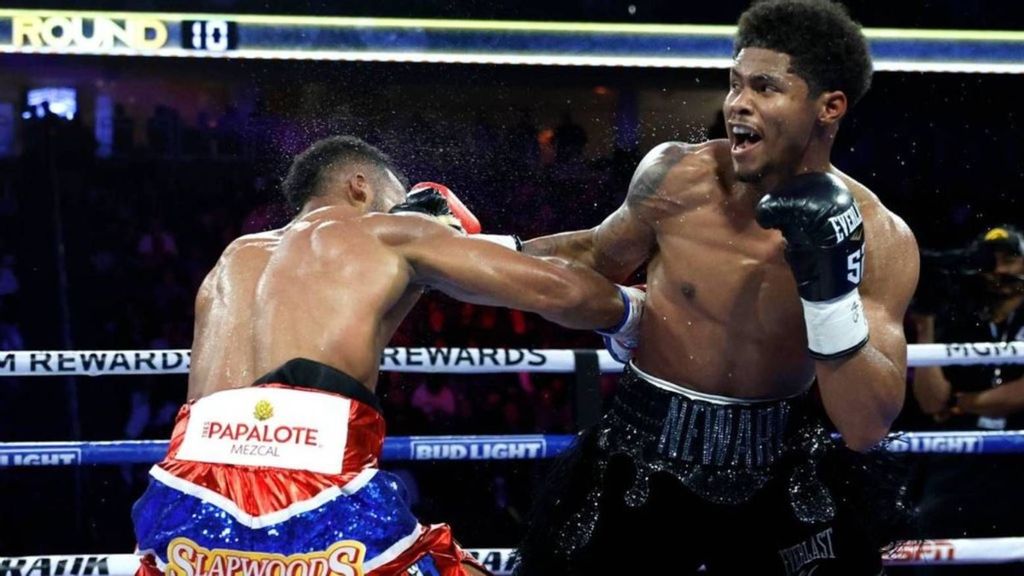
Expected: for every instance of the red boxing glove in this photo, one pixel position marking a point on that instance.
(466, 218)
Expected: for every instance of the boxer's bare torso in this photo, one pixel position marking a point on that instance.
(722, 314)
(333, 285)
(323, 288)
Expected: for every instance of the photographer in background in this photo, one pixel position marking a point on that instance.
(972, 295)
(979, 397)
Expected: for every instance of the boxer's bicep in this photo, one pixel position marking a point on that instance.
(864, 392)
(627, 238)
(622, 243)
(884, 357)
(890, 279)
(614, 249)
(577, 246)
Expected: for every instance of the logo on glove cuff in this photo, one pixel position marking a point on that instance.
(847, 223)
(855, 266)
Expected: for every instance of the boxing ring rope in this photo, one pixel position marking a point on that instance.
(500, 560)
(438, 360)
(504, 447)
(434, 448)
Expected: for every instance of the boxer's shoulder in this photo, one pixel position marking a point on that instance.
(248, 250)
(882, 226)
(674, 173)
(866, 199)
(678, 162)
(400, 229)
(254, 241)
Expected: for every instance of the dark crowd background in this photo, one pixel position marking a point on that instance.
(197, 154)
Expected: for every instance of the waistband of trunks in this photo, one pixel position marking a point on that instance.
(305, 373)
(688, 427)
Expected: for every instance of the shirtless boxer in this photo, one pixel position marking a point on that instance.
(272, 466)
(767, 269)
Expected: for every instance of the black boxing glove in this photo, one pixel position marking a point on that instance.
(438, 201)
(429, 200)
(824, 233)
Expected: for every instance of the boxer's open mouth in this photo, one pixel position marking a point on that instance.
(744, 137)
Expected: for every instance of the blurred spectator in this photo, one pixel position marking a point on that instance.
(435, 399)
(8, 280)
(156, 245)
(523, 150)
(229, 132)
(10, 335)
(163, 131)
(271, 214)
(170, 297)
(124, 131)
(570, 139)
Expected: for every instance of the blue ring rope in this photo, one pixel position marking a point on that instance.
(478, 448)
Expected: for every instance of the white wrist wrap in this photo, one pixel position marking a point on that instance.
(624, 337)
(835, 327)
(633, 310)
(508, 241)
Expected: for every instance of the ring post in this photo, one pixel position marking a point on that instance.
(586, 405)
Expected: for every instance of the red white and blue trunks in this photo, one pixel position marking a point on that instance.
(281, 479)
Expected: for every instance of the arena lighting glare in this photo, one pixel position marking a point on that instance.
(439, 41)
(62, 102)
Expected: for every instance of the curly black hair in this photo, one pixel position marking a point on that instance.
(307, 171)
(826, 47)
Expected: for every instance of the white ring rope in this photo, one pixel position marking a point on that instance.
(475, 361)
(437, 360)
(500, 560)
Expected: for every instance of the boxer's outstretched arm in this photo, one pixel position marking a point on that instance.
(626, 239)
(615, 248)
(481, 272)
(863, 393)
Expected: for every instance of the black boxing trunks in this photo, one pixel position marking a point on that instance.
(281, 479)
(672, 479)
